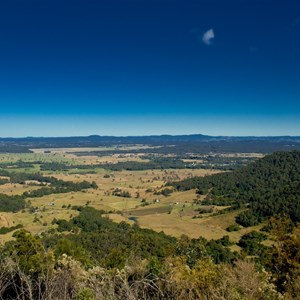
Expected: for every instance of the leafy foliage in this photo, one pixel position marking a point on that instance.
(268, 186)
(4, 230)
(11, 203)
(113, 244)
(251, 243)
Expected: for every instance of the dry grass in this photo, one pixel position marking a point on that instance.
(16, 189)
(172, 224)
(154, 216)
(113, 159)
(5, 220)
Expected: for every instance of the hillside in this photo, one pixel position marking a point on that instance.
(268, 186)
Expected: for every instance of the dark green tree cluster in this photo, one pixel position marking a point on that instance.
(251, 243)
(60, 186)
(269, 186)
(11, 203)
(165, 192)
(114, 244)
(152, 164)
(4, 230)
(120, 193)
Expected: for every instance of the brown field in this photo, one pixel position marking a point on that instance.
(5, 221)
(153, 210)
(91, 149)
(92, 160)
(16, 189)
(193, 160)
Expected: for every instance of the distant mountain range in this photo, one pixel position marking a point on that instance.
(204, 143)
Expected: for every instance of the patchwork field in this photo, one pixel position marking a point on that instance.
(133, 196)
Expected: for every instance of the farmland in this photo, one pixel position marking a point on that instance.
(133, 196)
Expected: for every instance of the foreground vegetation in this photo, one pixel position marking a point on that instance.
(91, 257)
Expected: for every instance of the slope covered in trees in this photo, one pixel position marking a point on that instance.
(268, 187)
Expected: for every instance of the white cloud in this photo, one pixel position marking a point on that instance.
(208, 36)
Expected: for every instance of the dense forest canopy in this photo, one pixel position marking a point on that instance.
(268, 186)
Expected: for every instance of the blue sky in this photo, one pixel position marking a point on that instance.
(134, 67)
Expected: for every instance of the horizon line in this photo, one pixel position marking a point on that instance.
(149, 135)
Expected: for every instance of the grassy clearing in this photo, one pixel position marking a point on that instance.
(33, 157)
(157, 209)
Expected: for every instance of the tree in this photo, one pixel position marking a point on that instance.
(284, 256)
(30, 254)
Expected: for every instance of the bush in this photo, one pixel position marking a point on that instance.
(233, 227)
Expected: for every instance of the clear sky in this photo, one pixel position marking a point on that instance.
(135, 67)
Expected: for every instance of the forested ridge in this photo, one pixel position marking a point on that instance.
(268, 186)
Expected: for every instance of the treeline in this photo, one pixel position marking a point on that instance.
(19, 164)
(153, 164)
(22, 177)
(158, 163)
(11, 148)
(50, 185)
(60, 187)
(268, 187)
